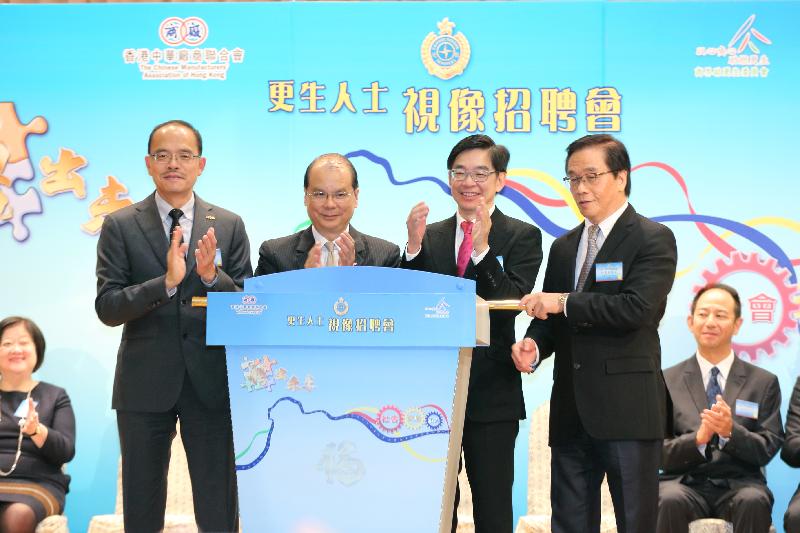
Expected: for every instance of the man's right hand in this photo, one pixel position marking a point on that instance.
(176, 260)
(417, 219)
(314, 259)
(523, 353)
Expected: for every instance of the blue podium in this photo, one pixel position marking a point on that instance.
(348, 388)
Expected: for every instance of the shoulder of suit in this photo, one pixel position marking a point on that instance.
(442, 224)
(131, 210)
(757, 371)
(282, 242)
(48, 388)
(377, 241)
(678, 368)
(517, 224)
(649, 225)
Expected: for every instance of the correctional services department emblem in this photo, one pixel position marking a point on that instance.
(445, 55)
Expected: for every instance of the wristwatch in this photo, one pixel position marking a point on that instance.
(562, 301)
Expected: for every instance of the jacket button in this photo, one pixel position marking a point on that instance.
(576, 366)
(183, 301)
(185, 336)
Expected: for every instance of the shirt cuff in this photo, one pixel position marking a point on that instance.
(213, 281)
(410, 257)
(477, 258)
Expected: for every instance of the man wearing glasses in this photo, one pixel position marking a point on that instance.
(502, 255)
(152, 258)
(605, 291)
(330, 185)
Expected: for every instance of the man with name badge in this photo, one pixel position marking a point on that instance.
(604, 293)
(727, 426)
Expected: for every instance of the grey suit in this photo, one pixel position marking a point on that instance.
(727, 482)
(791, 454)
(290, 252)
(164, 368)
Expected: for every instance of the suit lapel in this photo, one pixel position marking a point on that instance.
(734, 383)
(304, 244)
(445, 244)
(203, 219)
(153, 229)
(622, 228)
(693, 379)
(361, 248)
(571, 242)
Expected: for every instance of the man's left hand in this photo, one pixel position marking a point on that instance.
(541, 304)
(719, 418)
(205, 254)
(480, 231)
(347, 249)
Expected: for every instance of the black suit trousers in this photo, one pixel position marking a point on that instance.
(578, 468)
(145, 440)
(489, 455)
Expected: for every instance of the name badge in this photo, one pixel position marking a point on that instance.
(608, 272)
(500, 260)
(218, 258)
(747, 409)
(22, 410)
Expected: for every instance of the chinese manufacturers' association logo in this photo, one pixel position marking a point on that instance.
(742, 55)
(445, 55)
(249, 306)
(341, 307)
(175, 31)
(440, 310)
(182, 59)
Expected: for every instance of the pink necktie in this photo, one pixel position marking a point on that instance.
(465, 250)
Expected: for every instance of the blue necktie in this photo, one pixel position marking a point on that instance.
(713, 388)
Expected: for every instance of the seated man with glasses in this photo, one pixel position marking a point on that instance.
(331, 196)
(502, 254)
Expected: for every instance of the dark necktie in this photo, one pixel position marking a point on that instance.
(713, 388)
(465, 250)
(591, 253)
(175, 215)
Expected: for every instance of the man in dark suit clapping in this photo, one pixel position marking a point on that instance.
(330, 185)
(727, 426)
(152, 258)
(502, 255)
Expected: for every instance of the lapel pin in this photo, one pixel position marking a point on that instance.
(211, 217)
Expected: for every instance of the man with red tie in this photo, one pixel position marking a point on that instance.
(502, 255)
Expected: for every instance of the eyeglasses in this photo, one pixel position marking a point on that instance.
(478, 176)
(589, 178)
(165, 157)
(320, 197)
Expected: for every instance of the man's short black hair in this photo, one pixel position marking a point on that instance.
(497, 152)
(737, 303)
(616, 154)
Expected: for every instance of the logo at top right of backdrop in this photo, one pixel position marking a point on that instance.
(445, 55)
(745, 55)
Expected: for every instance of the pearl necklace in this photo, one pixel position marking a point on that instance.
(19, 439)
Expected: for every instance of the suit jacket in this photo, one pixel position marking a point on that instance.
(290, 252)
(607, 373)
(508, 271)
(753, 443)
(163, 337)
(791, 446)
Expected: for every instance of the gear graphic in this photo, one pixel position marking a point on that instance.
(390, 419)
(779, 277)
(433, 420)
(414, 418)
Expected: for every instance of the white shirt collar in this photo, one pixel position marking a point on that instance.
(724, 366)
(164, 208)
(460, 219)
(608, 224)
(319, 238)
